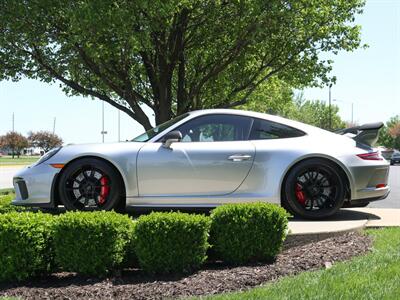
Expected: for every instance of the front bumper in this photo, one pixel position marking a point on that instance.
(34, 186)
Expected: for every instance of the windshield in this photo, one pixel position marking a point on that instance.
(144, 137)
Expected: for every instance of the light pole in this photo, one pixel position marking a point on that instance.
(329, 108)
(103, 132)
(119, 125)
(54, 125)
(352, 108)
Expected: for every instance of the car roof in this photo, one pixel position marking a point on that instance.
(295, 124)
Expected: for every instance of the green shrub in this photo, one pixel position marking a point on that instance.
(171, 242)
(92, 243)
(6, 206)
(248, 232)
(25, 245)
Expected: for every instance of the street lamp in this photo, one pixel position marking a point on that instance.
(103, 132)
(352, 108)
(329, 108)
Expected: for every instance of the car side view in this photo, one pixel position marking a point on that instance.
(202, 159)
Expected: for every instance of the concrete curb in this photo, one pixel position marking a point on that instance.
(347, 220)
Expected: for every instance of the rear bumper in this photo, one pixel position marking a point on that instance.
(367, 200)
(370, 182)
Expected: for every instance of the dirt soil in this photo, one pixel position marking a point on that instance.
(212, 279)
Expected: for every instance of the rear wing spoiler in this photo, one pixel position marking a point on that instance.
(366, 134)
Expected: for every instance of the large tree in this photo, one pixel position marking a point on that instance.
(14, 142)
(173, 55)
(44, 140)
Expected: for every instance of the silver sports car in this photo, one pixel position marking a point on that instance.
(210, 157)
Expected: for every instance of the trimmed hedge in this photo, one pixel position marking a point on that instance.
(242, 233)
(6, 206)
(92, 243)
(25, 245)
(171, 242)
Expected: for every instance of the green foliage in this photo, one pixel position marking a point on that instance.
(388, 136)
(6, 206)
(25, 245)
(242, 233)
(276, 97)
(92, 243)
(173, 55)
(171, 242)
(317, 113)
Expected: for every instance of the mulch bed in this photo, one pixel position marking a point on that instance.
(212, 279)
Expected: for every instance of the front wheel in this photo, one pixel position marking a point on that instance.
(90, 184)
(314, 189)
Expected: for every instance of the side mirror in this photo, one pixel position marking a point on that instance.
(171, 137)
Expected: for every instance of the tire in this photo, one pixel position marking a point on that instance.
(91, 184)
(314, 189)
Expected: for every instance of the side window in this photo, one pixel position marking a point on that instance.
(216, 128)
(266, 130)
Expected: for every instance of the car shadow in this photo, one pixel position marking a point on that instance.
(343, 215)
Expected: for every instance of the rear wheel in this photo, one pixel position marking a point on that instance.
(90, 184)
(314, 189)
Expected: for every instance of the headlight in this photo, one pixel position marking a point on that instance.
(47, 156)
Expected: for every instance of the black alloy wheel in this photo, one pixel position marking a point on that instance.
(90, 184)
(314, 189)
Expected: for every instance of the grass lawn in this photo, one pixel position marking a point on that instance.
(373, 276)
(22, 160)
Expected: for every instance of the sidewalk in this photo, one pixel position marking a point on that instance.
(350, 219)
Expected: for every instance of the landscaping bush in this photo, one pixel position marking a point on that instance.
(92, 243)
(25, 245)
(171, 242)
(5, 203)
(248, 232)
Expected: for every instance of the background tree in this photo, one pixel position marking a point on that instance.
(44, 140)
(277, 97)
(317, 113)
(14, 142)
(173, 55)
(389, 136)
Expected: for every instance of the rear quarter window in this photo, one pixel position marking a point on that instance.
(267, 130)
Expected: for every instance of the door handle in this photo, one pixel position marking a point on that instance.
(239, 157)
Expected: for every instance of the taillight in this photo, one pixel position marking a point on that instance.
(370, 156)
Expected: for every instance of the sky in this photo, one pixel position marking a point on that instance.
(367, 78)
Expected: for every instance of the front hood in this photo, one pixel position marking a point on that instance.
(104, 150)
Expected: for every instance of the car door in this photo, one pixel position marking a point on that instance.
(213, 159)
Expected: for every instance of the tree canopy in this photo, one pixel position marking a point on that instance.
(44, 140)
(14, 142)
(173, 55)
(390, 134)
(278, 98)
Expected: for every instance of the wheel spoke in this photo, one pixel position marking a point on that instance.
(72, 188)
(77, 199)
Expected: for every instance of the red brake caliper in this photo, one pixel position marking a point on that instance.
(105, 189)
(301, 198)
